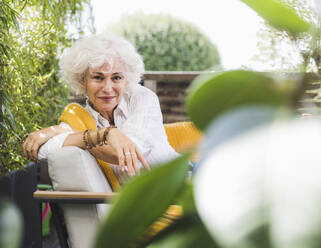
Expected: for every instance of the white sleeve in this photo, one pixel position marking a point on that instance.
(144, 122)
(55, 143)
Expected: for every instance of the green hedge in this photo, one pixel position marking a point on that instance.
(167, 43)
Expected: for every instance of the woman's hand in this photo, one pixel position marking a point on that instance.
(38, 138)
(127, 152)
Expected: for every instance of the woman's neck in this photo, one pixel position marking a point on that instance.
(110, 118)
(106, 115)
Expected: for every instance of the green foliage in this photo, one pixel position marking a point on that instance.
(231, 89)
(31, 94)
(135, 210)
(167, 43)
(10, 225)
(188, 232)
(279, 16)
(279, 50)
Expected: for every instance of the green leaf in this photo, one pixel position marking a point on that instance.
(11, 119)
(10, 225)
(186, 199)
(188, 232)
(212, 95)
(4, 126)
(141, 202)
(279, 16)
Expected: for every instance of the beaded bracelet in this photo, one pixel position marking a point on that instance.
(84, 138)
(105, 136)
(98, 139)
(90, 141)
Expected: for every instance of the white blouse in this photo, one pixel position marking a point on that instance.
(139, 117)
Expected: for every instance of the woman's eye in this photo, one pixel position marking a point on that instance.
(117, 78)
(97, 77)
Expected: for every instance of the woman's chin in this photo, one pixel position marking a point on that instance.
(106, 109)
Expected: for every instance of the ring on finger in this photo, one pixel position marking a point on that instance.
(29, 145)
(127, 153)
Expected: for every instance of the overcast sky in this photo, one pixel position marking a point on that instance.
(230, 24)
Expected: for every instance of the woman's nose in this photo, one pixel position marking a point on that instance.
(107, 85)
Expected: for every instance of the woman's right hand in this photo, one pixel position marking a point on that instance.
(37, 138)
(127, 152)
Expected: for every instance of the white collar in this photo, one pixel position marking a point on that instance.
(123, 104)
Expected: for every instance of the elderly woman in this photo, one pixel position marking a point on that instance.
(130, 133)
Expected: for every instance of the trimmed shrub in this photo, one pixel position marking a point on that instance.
(167, 43)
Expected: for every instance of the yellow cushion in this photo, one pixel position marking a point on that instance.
(182, 136)
(79, 119)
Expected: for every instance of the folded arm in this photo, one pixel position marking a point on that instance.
(37, 138)
(119, 150)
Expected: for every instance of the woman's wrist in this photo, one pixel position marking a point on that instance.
(93, 138)
(106, 134)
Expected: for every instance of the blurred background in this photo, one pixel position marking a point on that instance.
(230, 25)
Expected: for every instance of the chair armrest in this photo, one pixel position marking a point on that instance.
(73, 197)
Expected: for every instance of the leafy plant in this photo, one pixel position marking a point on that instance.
(282, 51)
(148, 189)
(167, 43)
(244, 187)
(33, 35)
(10, 225)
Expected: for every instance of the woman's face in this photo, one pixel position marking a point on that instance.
(105, 87)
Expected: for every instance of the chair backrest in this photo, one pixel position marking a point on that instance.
(182, 136)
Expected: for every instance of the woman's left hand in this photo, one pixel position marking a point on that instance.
(127, 152)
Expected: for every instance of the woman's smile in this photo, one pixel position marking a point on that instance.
(107, 98)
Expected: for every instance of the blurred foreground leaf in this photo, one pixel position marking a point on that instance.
(141, 202)
(279, 15)
(186, 198)
(264, 190)
(188, 232)
(10, 225)
(237, 122)
(210, 97)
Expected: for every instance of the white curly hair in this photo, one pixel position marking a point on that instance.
(93, 51)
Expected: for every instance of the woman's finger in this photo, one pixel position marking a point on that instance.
(128, 158)
(28, 150)
(121, 160)
(135, 161)
(34, 151)
(28, 146)
(142, 159)
(24, 148)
